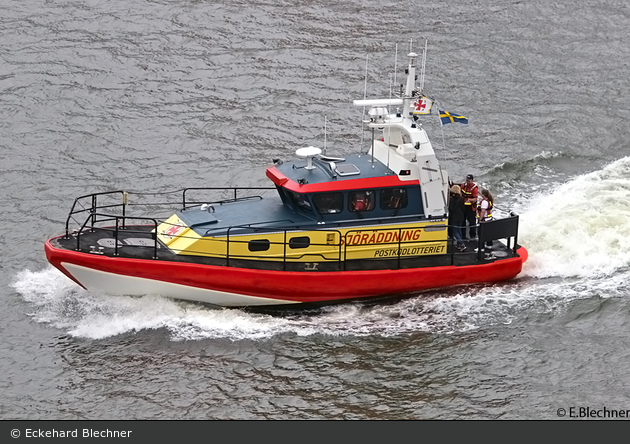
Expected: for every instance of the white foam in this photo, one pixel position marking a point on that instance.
(60, 303)
(581, 228)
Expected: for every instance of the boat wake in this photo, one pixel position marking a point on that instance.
(64, 305)
(581, 228)
(81, 314)
(578, 248)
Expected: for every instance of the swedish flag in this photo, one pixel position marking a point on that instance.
(447, 117)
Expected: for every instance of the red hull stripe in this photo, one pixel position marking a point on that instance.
(350, 184)
(294, 286)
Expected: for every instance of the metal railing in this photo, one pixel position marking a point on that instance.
(100, 214)
(89, 203)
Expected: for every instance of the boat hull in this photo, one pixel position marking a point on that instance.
(242, 287)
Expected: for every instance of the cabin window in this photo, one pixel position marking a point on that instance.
(393, 198)
(300, 242)
(258, 245)
(328, 203)
(361, 200)
(299, 200)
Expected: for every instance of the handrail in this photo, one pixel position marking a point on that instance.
(94, 205)
(120, 225)
(399, 242)
(98, 213)
(234, 189)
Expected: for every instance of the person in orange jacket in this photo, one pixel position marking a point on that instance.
(470, 192)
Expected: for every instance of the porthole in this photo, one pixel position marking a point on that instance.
(300, 242)
(258, 245)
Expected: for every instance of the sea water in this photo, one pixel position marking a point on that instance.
(162, 96)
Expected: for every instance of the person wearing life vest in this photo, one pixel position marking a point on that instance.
(456, 216)
(359, 203)
(362, 201)
(484, 210)
(470, 194)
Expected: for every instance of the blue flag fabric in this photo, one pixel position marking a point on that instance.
(447, 117)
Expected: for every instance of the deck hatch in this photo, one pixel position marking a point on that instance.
(347, 169)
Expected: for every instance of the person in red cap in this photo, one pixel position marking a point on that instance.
(470, 193)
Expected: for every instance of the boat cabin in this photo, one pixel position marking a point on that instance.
(324, 197)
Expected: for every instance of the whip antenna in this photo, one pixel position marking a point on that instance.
(324, 134)
(424, 61)
(364, 97)
(395, 62)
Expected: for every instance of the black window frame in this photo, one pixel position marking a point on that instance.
(323, 209)
(299, 199)
(384, 199)
(370, 195)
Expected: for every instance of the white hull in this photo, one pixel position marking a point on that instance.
(111, 283)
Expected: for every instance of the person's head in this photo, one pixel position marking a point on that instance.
(455, 189)
(469, 178)
(485, 193)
